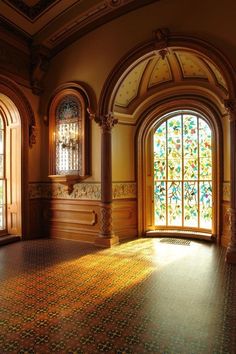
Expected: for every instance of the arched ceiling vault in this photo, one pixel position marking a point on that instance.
(162, 71)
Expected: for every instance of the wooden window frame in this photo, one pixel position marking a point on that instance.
(69, 179)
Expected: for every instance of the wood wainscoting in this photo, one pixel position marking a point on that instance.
(35, 219)
(80, 219)
(125, 218)
(71, 219)
(225, 222)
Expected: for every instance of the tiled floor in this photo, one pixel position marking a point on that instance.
(145, 296)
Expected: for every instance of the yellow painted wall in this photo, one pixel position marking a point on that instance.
(123, 150)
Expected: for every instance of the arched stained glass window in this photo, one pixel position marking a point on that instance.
(183, 172)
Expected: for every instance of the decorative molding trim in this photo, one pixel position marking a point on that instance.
(226, 191)
(81, 191)
(124, 190)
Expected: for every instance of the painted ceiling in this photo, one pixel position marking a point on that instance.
(162, 70)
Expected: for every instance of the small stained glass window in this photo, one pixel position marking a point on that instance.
(67, 136)
(183, 172)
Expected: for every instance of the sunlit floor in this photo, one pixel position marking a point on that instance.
(145, 296)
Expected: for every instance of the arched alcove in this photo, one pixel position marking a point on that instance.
(19, 121)
(167, 74)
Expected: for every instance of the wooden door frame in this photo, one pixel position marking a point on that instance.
(27, 120)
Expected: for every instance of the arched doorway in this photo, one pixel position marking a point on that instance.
(17, 120)
(10, 168)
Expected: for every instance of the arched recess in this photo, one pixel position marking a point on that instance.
(151, 119)
(170, 72)
(19, 121)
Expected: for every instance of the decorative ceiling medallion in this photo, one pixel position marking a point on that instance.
(30, 11)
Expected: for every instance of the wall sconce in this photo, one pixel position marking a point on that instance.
(68, 139)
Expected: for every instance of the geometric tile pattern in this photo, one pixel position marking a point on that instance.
(59, 296)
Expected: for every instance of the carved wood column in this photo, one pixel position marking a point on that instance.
(106, 236)
(231, 250)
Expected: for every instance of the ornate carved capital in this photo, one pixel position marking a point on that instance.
(230, 105)
(39, 65)
(106, 122)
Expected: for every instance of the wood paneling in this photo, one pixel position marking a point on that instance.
(225, 234)
(71, 219)
(35, 219)
(125, 219)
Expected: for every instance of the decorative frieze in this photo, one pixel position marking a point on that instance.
(81, 191)
(226, 191)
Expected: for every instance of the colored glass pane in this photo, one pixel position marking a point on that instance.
(174, 169)
(160, 169)
(205, 168)
(174, 147)
(190, 169)
(190, 136)
(160, 203)
(205, 204)
(174, 127)
(205, 145)
(191, 204)
(174, 203)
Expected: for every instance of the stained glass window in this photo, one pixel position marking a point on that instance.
(68, 131)
(183, 172)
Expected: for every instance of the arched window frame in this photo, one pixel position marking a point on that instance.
(71, 176)
(201, 116)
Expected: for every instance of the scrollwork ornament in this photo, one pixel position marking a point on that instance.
(230, 105)
(106, 122)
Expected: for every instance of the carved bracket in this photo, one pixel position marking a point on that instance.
(39, 65)
(106, 122)
(230, 105)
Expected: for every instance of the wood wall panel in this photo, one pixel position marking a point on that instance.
(35, 219)
(71, 219)
(225, 233)
(125, 219)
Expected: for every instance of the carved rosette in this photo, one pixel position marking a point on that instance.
(106, 220)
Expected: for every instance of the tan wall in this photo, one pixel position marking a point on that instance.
(123, 152)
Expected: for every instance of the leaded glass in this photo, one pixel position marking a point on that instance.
(183, 172)
(68, 131)
(174, 203)
(160, 202)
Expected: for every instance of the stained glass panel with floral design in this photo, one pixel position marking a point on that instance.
(183, 172)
